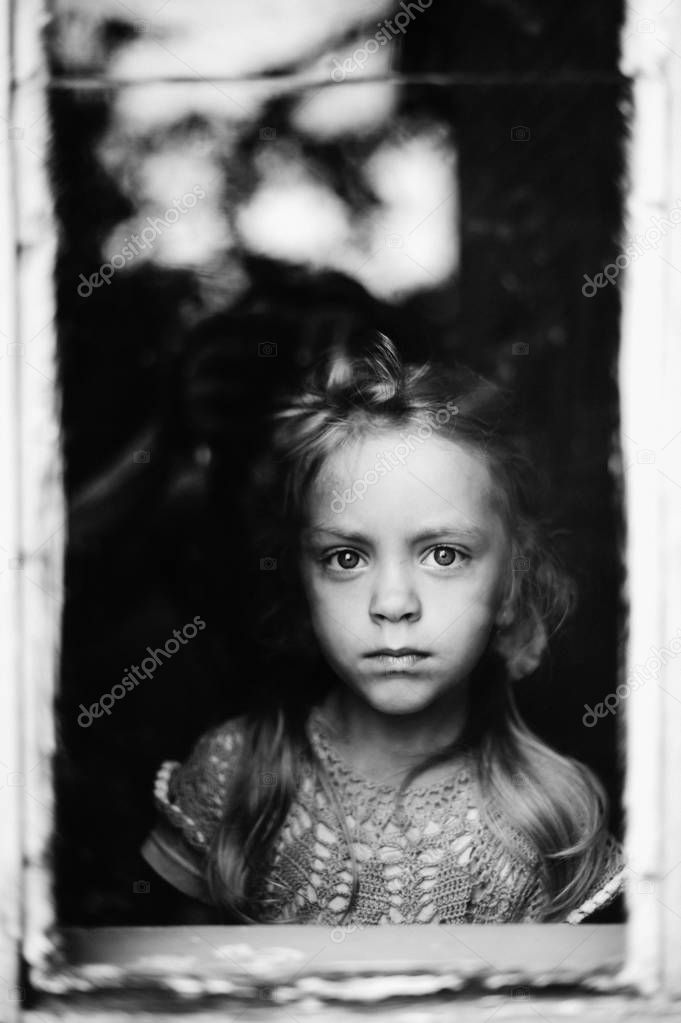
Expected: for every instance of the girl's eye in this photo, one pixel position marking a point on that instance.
(343, 559)
(444, 556)
(346, 559)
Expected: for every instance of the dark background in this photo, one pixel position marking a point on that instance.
(145, 367)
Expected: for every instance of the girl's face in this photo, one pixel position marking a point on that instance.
(404, 553)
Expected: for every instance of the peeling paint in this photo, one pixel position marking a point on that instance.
(186, 977)
(442, 1008)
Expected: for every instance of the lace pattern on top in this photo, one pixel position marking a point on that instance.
(192, 795)
(431, 861)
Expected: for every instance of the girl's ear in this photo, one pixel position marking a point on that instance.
(505, 615)
(522, 647)
(507, 609)
(521, 636)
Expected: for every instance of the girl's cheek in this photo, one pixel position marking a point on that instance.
(477, 605)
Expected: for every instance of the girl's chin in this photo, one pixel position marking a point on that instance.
(395, 694)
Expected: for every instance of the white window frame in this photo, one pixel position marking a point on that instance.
(32, 517)
(33, 530)
(650, 382)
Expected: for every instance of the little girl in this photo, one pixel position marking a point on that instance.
(408, 789)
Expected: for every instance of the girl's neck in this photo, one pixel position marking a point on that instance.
(389, 745)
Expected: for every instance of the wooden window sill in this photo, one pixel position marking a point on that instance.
(289, 965)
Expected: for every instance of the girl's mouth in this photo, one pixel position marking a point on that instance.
(398, 661)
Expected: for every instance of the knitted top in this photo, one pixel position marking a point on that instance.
(433, 861)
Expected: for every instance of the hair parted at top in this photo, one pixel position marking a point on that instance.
(360, 386)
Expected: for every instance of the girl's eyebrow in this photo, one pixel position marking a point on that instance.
(431, 533)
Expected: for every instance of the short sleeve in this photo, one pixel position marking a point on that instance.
(169, 854)
(609, 884)
(606, 888)
(190, 800)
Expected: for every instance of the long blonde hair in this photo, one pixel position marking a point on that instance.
(553, 801)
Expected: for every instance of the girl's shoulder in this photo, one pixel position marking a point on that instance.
(191, 795)
(607, 886)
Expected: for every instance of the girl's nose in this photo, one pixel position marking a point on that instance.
(394, 598)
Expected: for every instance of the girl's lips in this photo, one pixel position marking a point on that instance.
(399, 662)
(398, 652)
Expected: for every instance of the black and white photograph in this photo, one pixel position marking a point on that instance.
(340, 559)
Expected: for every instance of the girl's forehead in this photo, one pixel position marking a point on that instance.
(405, 448)
(399, 472)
